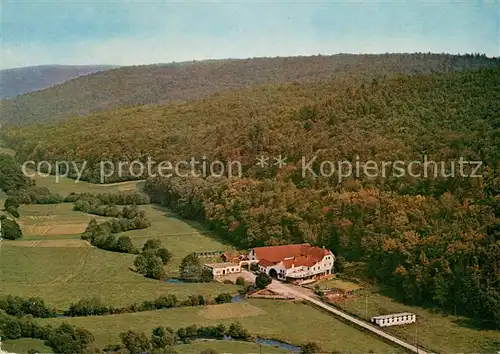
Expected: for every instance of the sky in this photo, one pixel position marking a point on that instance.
(147, 32)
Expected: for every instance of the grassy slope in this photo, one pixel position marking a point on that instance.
(129, 86)
(61, 275)
(287, 321)
(435, 331)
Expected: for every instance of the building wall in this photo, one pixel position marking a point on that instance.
(228, 270)
(251, 255)
(325, 266)
(394, 321)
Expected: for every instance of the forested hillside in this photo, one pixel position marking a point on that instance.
(139, 85)
(435, 239)
(18, 81)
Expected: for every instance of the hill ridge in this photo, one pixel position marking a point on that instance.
(164, 83)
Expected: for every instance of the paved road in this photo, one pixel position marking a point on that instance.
(290, 290)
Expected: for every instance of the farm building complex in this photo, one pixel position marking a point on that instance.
(296, 263)
(293, 262)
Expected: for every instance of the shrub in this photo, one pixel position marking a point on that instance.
(102, 235)
(11, 202)
(262, 280)
(224, 298)
(66, 339)
(135, 342)
(88, 307)
(209, 351)
(240, 281)
(17, 306)
(10, 229)
(12, 211)
(191, 270)
(152, 244)
(310, 348)
(149, 265)
(37, 195)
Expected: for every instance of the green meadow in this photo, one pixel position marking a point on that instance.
(295, 323)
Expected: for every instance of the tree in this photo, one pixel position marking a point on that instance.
(11, 328)
(236, 331)
(240, 281)
(69, 340)
(152, 244)
(209, 351)
(136, 343)
(310, 348)
(191, 269)
(10, 229)
(12, 211)
(11, 202)
(224, 298)
(163, 254)
(339, 264)
(162, 337)
(262, 280)
(206, 275)
(124, 245)
(149, 265)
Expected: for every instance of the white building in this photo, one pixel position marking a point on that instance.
(293, 262)
(220, 269)
(394, 319)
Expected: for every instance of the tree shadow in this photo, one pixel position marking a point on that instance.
(476, 324)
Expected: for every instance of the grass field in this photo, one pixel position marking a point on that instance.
(52, 220)
(21, 346)
(436, 332)
(63, 274)
(178, 236)
(52, 262)
(337, 284)
(65, 186)
(290, 322)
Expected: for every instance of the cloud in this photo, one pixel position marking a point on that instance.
(167, 48)
(156, 32)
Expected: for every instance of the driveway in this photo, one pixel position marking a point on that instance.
(249, 276)
(308, 295)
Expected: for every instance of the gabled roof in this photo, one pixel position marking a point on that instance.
(297, 255)
(300, 261)
(266, 263)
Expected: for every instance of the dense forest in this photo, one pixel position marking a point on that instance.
(434, 238)
(160, 84)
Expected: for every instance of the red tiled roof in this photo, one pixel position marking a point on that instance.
(300, 261)
(266, 263)
(298, 255)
